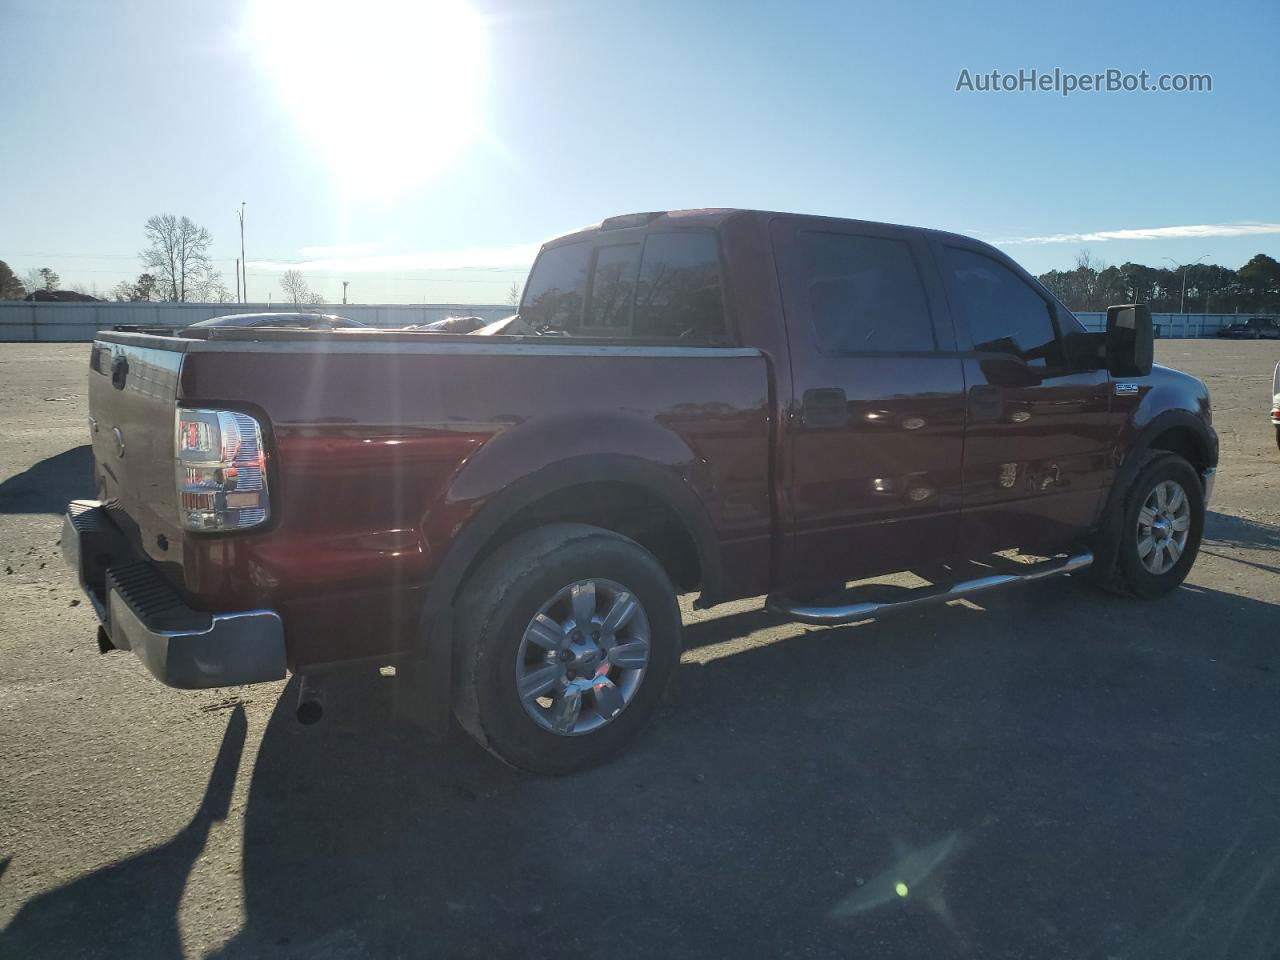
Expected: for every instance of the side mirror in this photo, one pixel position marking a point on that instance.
(1130, 341)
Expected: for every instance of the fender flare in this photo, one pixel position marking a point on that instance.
(434, 651)
(1107, 541)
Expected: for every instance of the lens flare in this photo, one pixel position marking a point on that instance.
(388, 90)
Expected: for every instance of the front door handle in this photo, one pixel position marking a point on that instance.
(825, 407)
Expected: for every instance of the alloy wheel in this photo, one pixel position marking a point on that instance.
(583, 657)
(1163, 523)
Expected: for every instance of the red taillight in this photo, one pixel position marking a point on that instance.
(221, 470)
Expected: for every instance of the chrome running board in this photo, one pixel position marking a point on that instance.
(928, 596)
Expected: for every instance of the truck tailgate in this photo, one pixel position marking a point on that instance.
(132, 399)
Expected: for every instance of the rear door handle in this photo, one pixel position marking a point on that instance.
(825, 407)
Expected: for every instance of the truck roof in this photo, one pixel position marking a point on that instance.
(712, 217)
(704, 217)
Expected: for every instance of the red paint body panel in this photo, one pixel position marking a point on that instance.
(874, 483)
(379, 459)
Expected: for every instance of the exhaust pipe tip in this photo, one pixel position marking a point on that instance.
(310, 703)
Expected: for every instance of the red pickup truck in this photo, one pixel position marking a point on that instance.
(726, 402)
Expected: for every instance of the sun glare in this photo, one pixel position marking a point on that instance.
(388, 90)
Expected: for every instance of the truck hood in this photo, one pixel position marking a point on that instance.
(1190, 388)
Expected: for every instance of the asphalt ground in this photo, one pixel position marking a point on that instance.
(1052, 772)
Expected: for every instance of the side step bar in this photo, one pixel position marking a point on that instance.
(928, 596)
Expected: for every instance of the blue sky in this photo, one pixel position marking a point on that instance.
(422, 150)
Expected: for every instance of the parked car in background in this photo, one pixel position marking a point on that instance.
(1275, 402)
(726, 402)
(307, 321)
(1255, 328)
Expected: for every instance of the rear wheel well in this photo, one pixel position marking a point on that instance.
(628, 509)
(1183, 442)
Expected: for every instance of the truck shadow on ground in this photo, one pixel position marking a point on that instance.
(1056, 773)
(130, 908)
(48, 486)
(1224, 529)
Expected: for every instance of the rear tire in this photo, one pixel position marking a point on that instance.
(555, 669)
(1162, 522)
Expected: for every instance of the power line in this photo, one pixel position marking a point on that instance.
(280, 260)
(370, 277)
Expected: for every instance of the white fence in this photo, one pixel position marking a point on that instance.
(26, 322)
(1175, 325)
(68, 322)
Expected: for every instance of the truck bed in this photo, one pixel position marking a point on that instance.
(383, 445)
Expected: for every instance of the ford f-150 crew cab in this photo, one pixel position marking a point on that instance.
(726, 402)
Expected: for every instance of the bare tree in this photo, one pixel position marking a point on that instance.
(513, 293)
(296, 288)
(1085, 260)
(213, 290)
(178, 256)
(43, 278)
(88, 289)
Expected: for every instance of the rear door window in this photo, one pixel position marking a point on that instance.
(865, 294)
(679, 296)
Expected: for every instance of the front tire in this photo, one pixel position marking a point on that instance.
(568, 636)
(1161, 528)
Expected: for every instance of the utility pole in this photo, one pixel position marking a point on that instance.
(238, 300)
(1182, 302)
(344, 293)
(244, 264)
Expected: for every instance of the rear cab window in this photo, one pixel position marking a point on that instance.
(666, 287)
(557, 288)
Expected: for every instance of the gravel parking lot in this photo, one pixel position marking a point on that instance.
(1051, 773)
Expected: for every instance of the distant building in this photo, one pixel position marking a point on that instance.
(61, 296)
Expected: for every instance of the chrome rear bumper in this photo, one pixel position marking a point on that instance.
(141, 612)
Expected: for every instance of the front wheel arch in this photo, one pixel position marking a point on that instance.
(1128, 574)
(1174, 431)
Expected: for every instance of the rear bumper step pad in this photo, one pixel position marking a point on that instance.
(140, 611)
